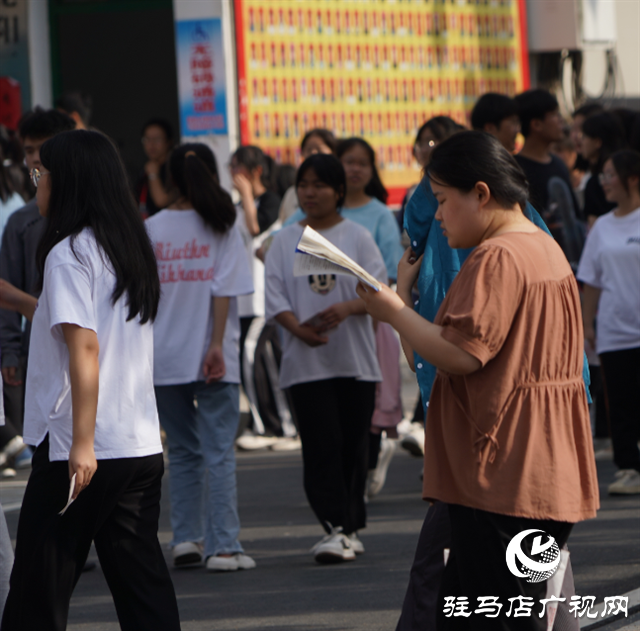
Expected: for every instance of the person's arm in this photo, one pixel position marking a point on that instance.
(12, 269)
(156, 188)
(307, 334)
(590, 299)
(340, 311)
(243, 186)
(13, 299)
(214, 367)
(84, 370)
(420, 335)
(406, 347)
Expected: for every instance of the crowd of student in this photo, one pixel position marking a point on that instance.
(508, 439)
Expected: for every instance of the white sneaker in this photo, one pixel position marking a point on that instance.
(413, 442)
(238, 561)
(627, 483)
(378, 476)
(11, 450)
(251, 442)
(334, 548)
(286, 443)
(356, 544)
(187, 553)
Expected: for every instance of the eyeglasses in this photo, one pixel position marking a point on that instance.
(36, 174)
(603, 178)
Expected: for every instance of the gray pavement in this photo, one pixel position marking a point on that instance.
(289, 592)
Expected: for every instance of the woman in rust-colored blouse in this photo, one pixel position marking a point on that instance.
(508, 441)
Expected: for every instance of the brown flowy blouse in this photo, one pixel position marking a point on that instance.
(514, 437)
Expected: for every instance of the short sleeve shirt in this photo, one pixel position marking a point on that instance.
(77, 289)
(351, 349)
(611, 262)
(513, 437)
(195, 264)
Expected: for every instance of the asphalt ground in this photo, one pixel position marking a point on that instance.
(288, 591)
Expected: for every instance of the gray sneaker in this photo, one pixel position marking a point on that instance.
(627, 483)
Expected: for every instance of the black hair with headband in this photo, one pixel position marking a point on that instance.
(194, 173)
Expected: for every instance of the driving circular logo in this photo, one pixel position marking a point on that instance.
(540, 563)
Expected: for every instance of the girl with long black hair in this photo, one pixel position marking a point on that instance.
(203, 268)
(329, 358)
(90, 407)
(508, 440)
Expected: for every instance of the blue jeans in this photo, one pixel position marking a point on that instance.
(201, 422)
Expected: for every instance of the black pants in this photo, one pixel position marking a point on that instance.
(477, 567)
(334, 416)
(119, 511)
(420, 607)
(621, 375)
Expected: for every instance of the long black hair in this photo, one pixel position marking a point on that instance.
(609, 130)
(329, 170)
(375, 187)
(475, 156)
(89, 189)
(194, 173)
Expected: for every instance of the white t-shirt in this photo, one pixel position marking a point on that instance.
(195, 263)
(611, 262)
(77, 289)
(351, 350)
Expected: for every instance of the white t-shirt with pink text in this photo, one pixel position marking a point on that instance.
(194, 264)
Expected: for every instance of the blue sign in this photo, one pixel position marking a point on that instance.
(201, 77)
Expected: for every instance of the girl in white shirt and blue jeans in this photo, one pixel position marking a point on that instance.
(90, 407)
(203, 268)
(329, 365)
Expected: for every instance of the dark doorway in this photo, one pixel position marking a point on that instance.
(122, 53)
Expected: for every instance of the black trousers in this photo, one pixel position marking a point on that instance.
(420, 607)
(334, 416)
(477, 567)
(621, 376)
(119, 511)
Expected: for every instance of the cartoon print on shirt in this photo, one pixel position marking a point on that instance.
(322, 283)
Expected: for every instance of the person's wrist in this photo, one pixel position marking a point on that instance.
(396, 315)
(404, 291)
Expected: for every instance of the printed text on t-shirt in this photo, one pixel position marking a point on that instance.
(174, 273)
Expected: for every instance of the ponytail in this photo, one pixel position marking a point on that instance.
(194, 172)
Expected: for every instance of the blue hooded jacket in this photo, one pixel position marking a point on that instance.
(439, 267)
